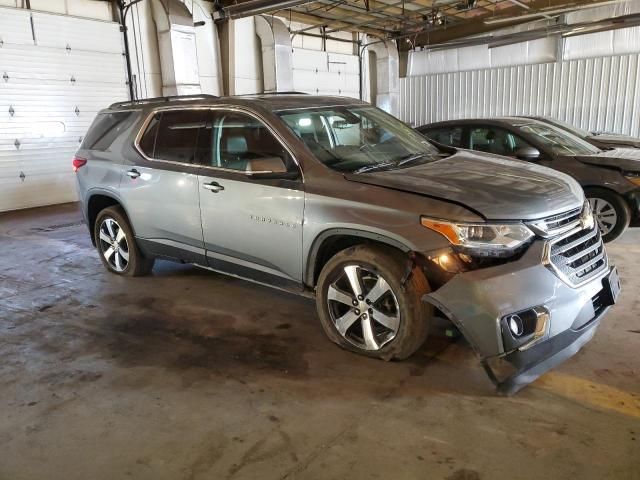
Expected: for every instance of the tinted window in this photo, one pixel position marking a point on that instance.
(105, 129)
(148, 140)
(447, 136)
(178, 134)
(204, 143)
(241, 138)
(496, 140)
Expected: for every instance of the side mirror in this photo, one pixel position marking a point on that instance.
(528, 153)
(269, 167)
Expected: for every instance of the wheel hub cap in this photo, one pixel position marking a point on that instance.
(604, 213)
(363, 308)
(114, 245)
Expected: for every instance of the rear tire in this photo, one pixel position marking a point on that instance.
(387, 320)
(610, 211)
(117, 246)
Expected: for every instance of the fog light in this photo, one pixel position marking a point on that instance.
(515, 325)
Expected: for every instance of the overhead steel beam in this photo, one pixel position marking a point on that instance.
(255, 7)
(438, 35)
(550, 13)
(566, 30)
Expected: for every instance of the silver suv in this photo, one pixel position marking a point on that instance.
(334, 197)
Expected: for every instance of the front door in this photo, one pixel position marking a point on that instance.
(252, 225)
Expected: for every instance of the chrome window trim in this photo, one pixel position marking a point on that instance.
(230, 108)
(546, 260)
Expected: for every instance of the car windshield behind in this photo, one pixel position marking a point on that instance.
(567, 126)
(559, 141)
(359, 138)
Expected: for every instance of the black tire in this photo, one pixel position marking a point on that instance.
(137, 265)
(619, 205)
(414, 315)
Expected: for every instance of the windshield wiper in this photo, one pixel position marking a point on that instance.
(377, 166)
(410, 158)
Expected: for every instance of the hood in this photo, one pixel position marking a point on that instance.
(626, 159)
(494, 187)
(614, 140)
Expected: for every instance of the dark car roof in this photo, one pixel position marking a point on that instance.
(273, 102)
(510, 121)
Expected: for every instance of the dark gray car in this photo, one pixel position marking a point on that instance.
(332, 197)
(602, 140)
(610, 178)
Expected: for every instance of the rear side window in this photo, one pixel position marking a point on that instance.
(447, 136)
(105, 129)
(173, 135)
(496, 140)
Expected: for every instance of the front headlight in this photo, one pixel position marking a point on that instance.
(482, 238)
(633, 177)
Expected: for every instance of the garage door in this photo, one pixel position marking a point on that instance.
(322, 73)
(56, 72)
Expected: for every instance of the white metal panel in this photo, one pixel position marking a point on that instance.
(476, 57)
(616, 42)
(597, 94)
(47, 102)
(15, 26)
(60, 31)
(322, 73)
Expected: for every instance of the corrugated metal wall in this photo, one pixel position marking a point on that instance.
(599, 94)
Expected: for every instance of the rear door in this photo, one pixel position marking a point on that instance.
(160, 187)
(252, 226)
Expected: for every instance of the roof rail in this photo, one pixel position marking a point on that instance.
(291, 92)
(265, 94)
(144, 101)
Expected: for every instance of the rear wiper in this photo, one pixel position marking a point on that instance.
(378, 166)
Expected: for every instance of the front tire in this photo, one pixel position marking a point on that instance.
(610, 211)
(364, 307)
(116, 244)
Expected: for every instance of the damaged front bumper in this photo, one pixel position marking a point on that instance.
(553, 319)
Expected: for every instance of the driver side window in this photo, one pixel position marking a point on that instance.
(240, 139)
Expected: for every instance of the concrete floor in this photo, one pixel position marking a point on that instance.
(192, 375)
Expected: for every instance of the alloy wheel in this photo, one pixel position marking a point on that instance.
(604, 213)
(363, 308)
(113, 245)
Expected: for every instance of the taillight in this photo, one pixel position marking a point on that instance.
(78, 162)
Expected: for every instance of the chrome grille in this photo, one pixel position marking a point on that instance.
(562, 220)
(578, 256)
(557, 224)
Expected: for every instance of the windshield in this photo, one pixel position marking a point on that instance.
(359, 138)
(571, 128)
(559, 141)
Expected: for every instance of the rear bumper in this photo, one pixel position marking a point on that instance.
(477, 302)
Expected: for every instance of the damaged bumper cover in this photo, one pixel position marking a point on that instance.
(551, 319)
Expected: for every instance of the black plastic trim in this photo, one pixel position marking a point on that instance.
(309, 274)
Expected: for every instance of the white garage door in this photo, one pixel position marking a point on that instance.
(322, 73)
(56, 72)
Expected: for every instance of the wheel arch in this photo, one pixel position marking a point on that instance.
(331, 241)
(96, 202)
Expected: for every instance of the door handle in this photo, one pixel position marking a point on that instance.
(213, 186)
(133, 173)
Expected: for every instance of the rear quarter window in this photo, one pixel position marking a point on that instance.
(105, 129)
